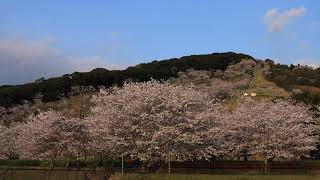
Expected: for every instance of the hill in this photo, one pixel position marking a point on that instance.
(58, 88)
(303, 81)
(228, 76)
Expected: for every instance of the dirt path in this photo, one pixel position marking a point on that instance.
(265, 88)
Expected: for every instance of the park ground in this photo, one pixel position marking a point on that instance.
(211, 177)
(79, 175)
(217, 170)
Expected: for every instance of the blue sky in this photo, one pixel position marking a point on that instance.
(50, 38)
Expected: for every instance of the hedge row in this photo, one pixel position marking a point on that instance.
(61, 163)
(176, 164)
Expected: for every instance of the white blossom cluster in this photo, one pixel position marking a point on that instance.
(153, 120)
(218, 83)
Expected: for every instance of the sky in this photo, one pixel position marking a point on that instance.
(42, 38)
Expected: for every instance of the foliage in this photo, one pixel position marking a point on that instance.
(8, 148)
(55, 88)
(307, 98)
(289, 76)
(50, 135)
(218, 83)
(22, 163)
(155, 120)
(16, 113)
(273, 129)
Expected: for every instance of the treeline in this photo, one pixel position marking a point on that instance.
(287, 76)
(153, 121)
(296, 77)
(56, 88)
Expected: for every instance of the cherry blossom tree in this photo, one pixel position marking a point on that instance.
(272, 129)
(318, 111)
(16, 113)
(8, 149)
(155, 120)
(50, 135)
(220, 84)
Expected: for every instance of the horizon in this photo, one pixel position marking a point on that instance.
(49, 39)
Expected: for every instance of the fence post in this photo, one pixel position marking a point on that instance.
(122, 164)
(169, 163)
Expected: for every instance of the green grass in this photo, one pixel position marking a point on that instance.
(58, 163)
(265, 88)
(78, 175)
(71, 106)
(42, 175)
(260, 85)
(213, 177)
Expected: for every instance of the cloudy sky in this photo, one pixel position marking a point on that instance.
(49, 38)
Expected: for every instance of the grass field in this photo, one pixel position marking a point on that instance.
(212, 177)
(42, 175)
(79, 175)
(264, 89)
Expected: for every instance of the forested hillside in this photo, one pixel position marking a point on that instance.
(304, 81)
(57, 88)
(227, 76)
(232, 80)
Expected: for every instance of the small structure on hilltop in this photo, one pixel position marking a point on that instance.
(251, 94)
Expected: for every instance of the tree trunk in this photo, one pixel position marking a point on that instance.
(245, 158)
(266, 166)
(85, 154)
(146, 165)
(169, 167)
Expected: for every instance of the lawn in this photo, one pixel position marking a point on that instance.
(46, 175)
(260, 85)
(213, 177)
(79, 175)
(265, 88)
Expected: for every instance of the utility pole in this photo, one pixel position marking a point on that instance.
(81, 116)
(81, 103)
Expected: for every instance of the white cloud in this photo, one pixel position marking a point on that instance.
(315, 63)
(277, 21)
(22, 61)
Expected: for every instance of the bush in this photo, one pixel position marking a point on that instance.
(22, 163)
(62, 163)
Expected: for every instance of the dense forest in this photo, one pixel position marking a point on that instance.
(56, 88)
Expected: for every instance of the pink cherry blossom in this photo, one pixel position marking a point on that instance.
(152, 119)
